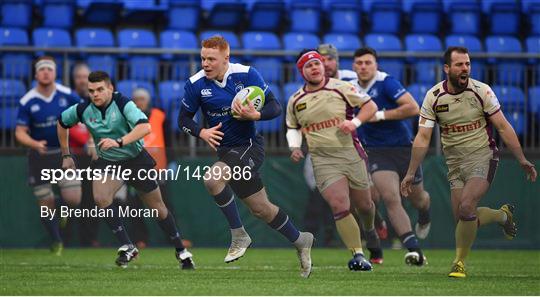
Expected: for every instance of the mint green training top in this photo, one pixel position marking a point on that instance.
(113, 121)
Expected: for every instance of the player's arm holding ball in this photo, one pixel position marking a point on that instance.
(256, 102)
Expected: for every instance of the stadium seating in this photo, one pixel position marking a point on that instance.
(532, 9)
(504, 17)
(345, 17)
(101, 11)
(51, 37)
(126, 87)
(140, 67)
(178, 65)
(425, 17)
(464, 17)
(508, 71)
(343, 41)
(176, 39)
(418, 91)
(425, 69)
(511, 98)
(58, 13)
(295, 41)
(387, 42)
(184, 15)
(473, 44)
(14, 65)
(259, 40)
(93, 37)
(13, 36)
(128, 38)
(105, 63)
(386, 17)
(11, 91)
(269, 67)
(289, 89)
(170, 93)
(97, 37)
(8, 118)
(305, 16)
(226, 14)
(534, 102)
(16, 13)
(143, 11)
(532, 45)
(266, 15)
(518, 121)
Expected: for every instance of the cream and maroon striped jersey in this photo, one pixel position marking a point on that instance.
(319, 113)
(462, 117)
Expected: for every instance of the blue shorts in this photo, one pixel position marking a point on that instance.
(249, 155)
(143, 161)
(38, 162)
(393, 159)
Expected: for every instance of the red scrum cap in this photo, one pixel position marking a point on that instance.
(307, 57)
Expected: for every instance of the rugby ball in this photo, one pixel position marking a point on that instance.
(251, 94)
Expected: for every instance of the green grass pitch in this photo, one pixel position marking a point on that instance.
(262, 272)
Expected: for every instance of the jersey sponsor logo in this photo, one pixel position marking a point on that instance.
(34, 108)
(206, 92)
(447, 129)
(225, 111)
(373, 93)
(322, 125)
(442, 108)
(301, 106)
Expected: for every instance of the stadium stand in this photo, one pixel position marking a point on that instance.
(424, 16)
(345, 17)
(386, 17)
(58, 13)
(265, 15)
(16, 13)
(509, 71)
(305, 16)
(394, 28)
(170, 93)
(11, 90)
(464, 17)
(184, 14)
(425, 69)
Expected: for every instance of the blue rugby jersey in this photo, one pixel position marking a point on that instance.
(215, 99)
(39, 113)
(385, 90)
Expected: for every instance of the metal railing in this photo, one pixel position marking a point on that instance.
(410, 67)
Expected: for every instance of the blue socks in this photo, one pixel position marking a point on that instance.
(115, 224)
(168, 225)
(283, 224)
(225, 201)
(410, 241)
(52, 227)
